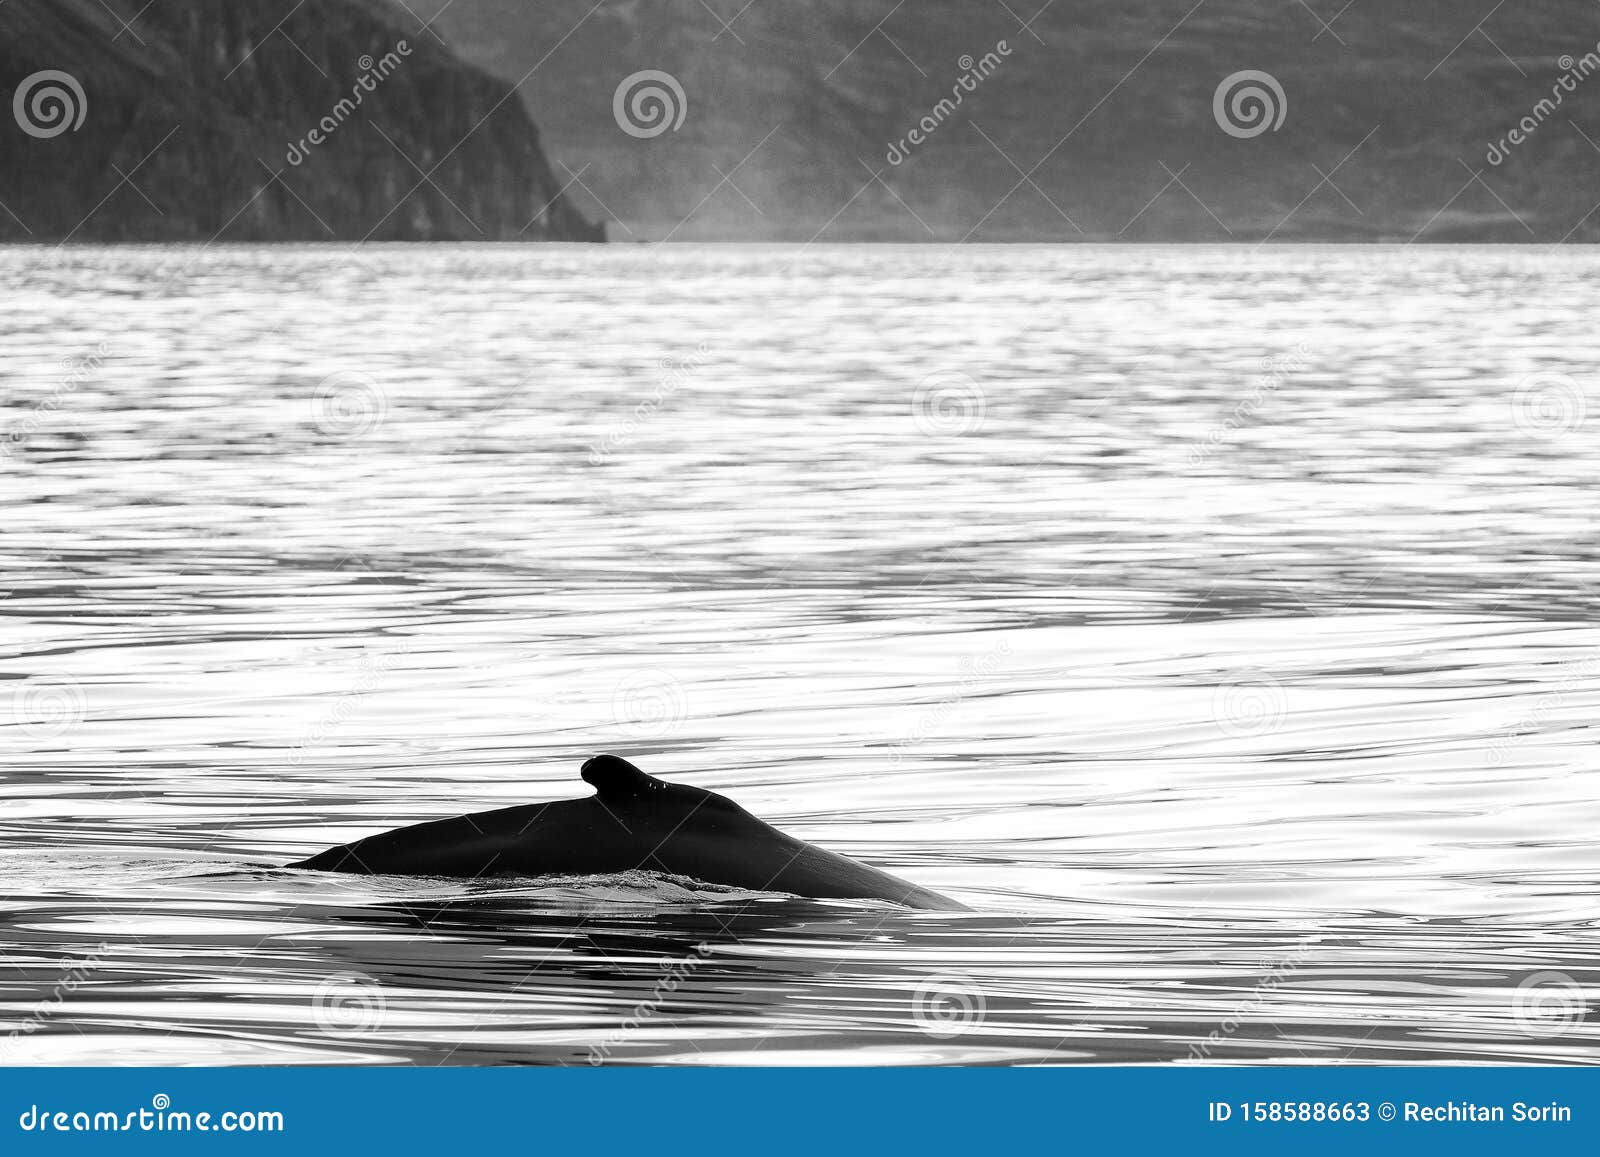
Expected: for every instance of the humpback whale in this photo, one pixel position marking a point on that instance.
(632, 822)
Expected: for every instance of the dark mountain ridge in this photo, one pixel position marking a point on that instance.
(1099, 124)
(198, 119)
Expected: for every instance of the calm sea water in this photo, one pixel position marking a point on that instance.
(1222, 627)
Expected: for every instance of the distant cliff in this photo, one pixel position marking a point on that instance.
(241, 120)
(1433, 120)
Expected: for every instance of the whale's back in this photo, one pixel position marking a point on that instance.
(532, 839)
(633, 822)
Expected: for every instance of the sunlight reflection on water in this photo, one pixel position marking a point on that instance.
(1219, 626)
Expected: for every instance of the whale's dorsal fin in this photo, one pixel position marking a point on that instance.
(614, 777)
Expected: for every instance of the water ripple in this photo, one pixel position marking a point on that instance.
(1220, 626)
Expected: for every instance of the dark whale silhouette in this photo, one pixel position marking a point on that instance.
(632, 822)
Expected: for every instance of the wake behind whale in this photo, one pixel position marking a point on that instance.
(633, 822)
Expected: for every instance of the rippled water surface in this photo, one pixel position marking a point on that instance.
(1221, 627)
